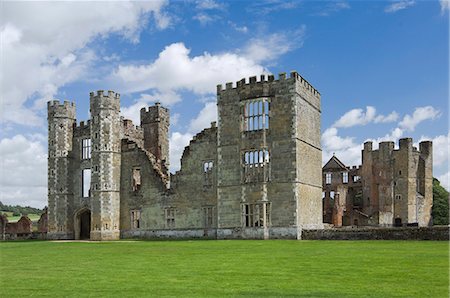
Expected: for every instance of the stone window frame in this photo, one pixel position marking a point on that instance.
(256, 114)
(356, 178)
(136, 180)
(398, 197)
(84, 193)
(345, 177)
(86, 148)
(208, 216)
(207, 170)
(135, 218)
(169, 216)
(252, 211)
(328, 177)
(256, 163)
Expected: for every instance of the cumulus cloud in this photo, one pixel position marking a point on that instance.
(174, 69)
(272, 46)
(51, 39)
(445, 180)
(345, 148)
(445, 5)
(177, 141)
(333, 7)
(23, 162)
(204, 118)
(441, 149)
(419, 115)
(357, 117)
(399, 5)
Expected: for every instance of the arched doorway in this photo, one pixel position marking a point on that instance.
(83, 224)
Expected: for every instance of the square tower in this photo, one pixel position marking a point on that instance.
(269, 158)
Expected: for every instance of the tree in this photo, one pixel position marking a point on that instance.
(440, 204)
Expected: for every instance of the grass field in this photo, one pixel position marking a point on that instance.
(225, 268)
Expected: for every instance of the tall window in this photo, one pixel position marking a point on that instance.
(256, 114)
(136, 179)
(208, 173)
(345, 177)
(170, 217)
(135, 219)
(356, 178)
(253, 215)
(256, 165)
(86, 149)
(86, 183)
(328, 178)
(208, 216)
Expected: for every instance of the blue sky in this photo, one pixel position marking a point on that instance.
(381, 67)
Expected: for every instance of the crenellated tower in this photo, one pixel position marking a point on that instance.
(106, 163)
(61, 121)
(155, 122)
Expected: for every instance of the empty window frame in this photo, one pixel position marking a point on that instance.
(398, 197)
(208, 215)
(256, 215)
(136, 179)
(208, 173)
(256, 166)
(170, 217)
(135, 219)
(86, 149)
(86, 183)
(256, 114)
(208, 166)
(327, 178)
(345, 177)
(356, 178)
(256, 158)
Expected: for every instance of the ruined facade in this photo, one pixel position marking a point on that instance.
(254, 174)
(392, 187)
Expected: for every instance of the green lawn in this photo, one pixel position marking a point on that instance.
(225, 268)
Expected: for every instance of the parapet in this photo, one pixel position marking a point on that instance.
(405, 143)
(100, 100)
(154, 113)
(263, 79)
(368, 146)
(56, 109)
(426, 147)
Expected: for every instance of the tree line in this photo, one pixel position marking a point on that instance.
(19, 210)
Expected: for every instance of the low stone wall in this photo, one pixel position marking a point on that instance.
(369, 233)
(25, 236)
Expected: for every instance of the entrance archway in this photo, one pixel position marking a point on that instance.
(83, 224)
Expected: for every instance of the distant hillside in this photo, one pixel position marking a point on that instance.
(19, 210)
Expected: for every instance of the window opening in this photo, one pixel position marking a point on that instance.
(256, 115)
(136, 179)
(86, 183)
(328, 178)
(170, 217)
(86, 149)
(135, 219)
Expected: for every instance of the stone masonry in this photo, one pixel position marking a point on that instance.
(255, 174)
(392, 187)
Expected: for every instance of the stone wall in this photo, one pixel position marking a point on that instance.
(423, 233)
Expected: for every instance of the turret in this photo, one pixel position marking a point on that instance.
(106, 162)
(61, 121)
(155, 122)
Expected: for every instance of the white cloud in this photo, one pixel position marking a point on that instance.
(242, 29)
(399, 5)
(204, 118)
(333, 7)
(209, 4)
(177, 143)
(174, 69)
(441, 149)
(132, 112)
(272, 46)
(271, 6)
(445, 180)
(445, 5)
(204, 18)
(420, 114)
(51, 40)
(357, 117)
(23, 171)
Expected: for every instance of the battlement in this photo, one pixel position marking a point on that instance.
(153, 113)
(404, 144)
(102, 100)
(57, 109)
(269, 79)
(84, 124)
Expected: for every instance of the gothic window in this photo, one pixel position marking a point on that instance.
(256, 115)
(136, 179)
(86, 149)
(254, 215)
(345, 177)
(86, 183)
(208, 216)
(328, 178)
(256, 165)
(170, 217)
(135, 219)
